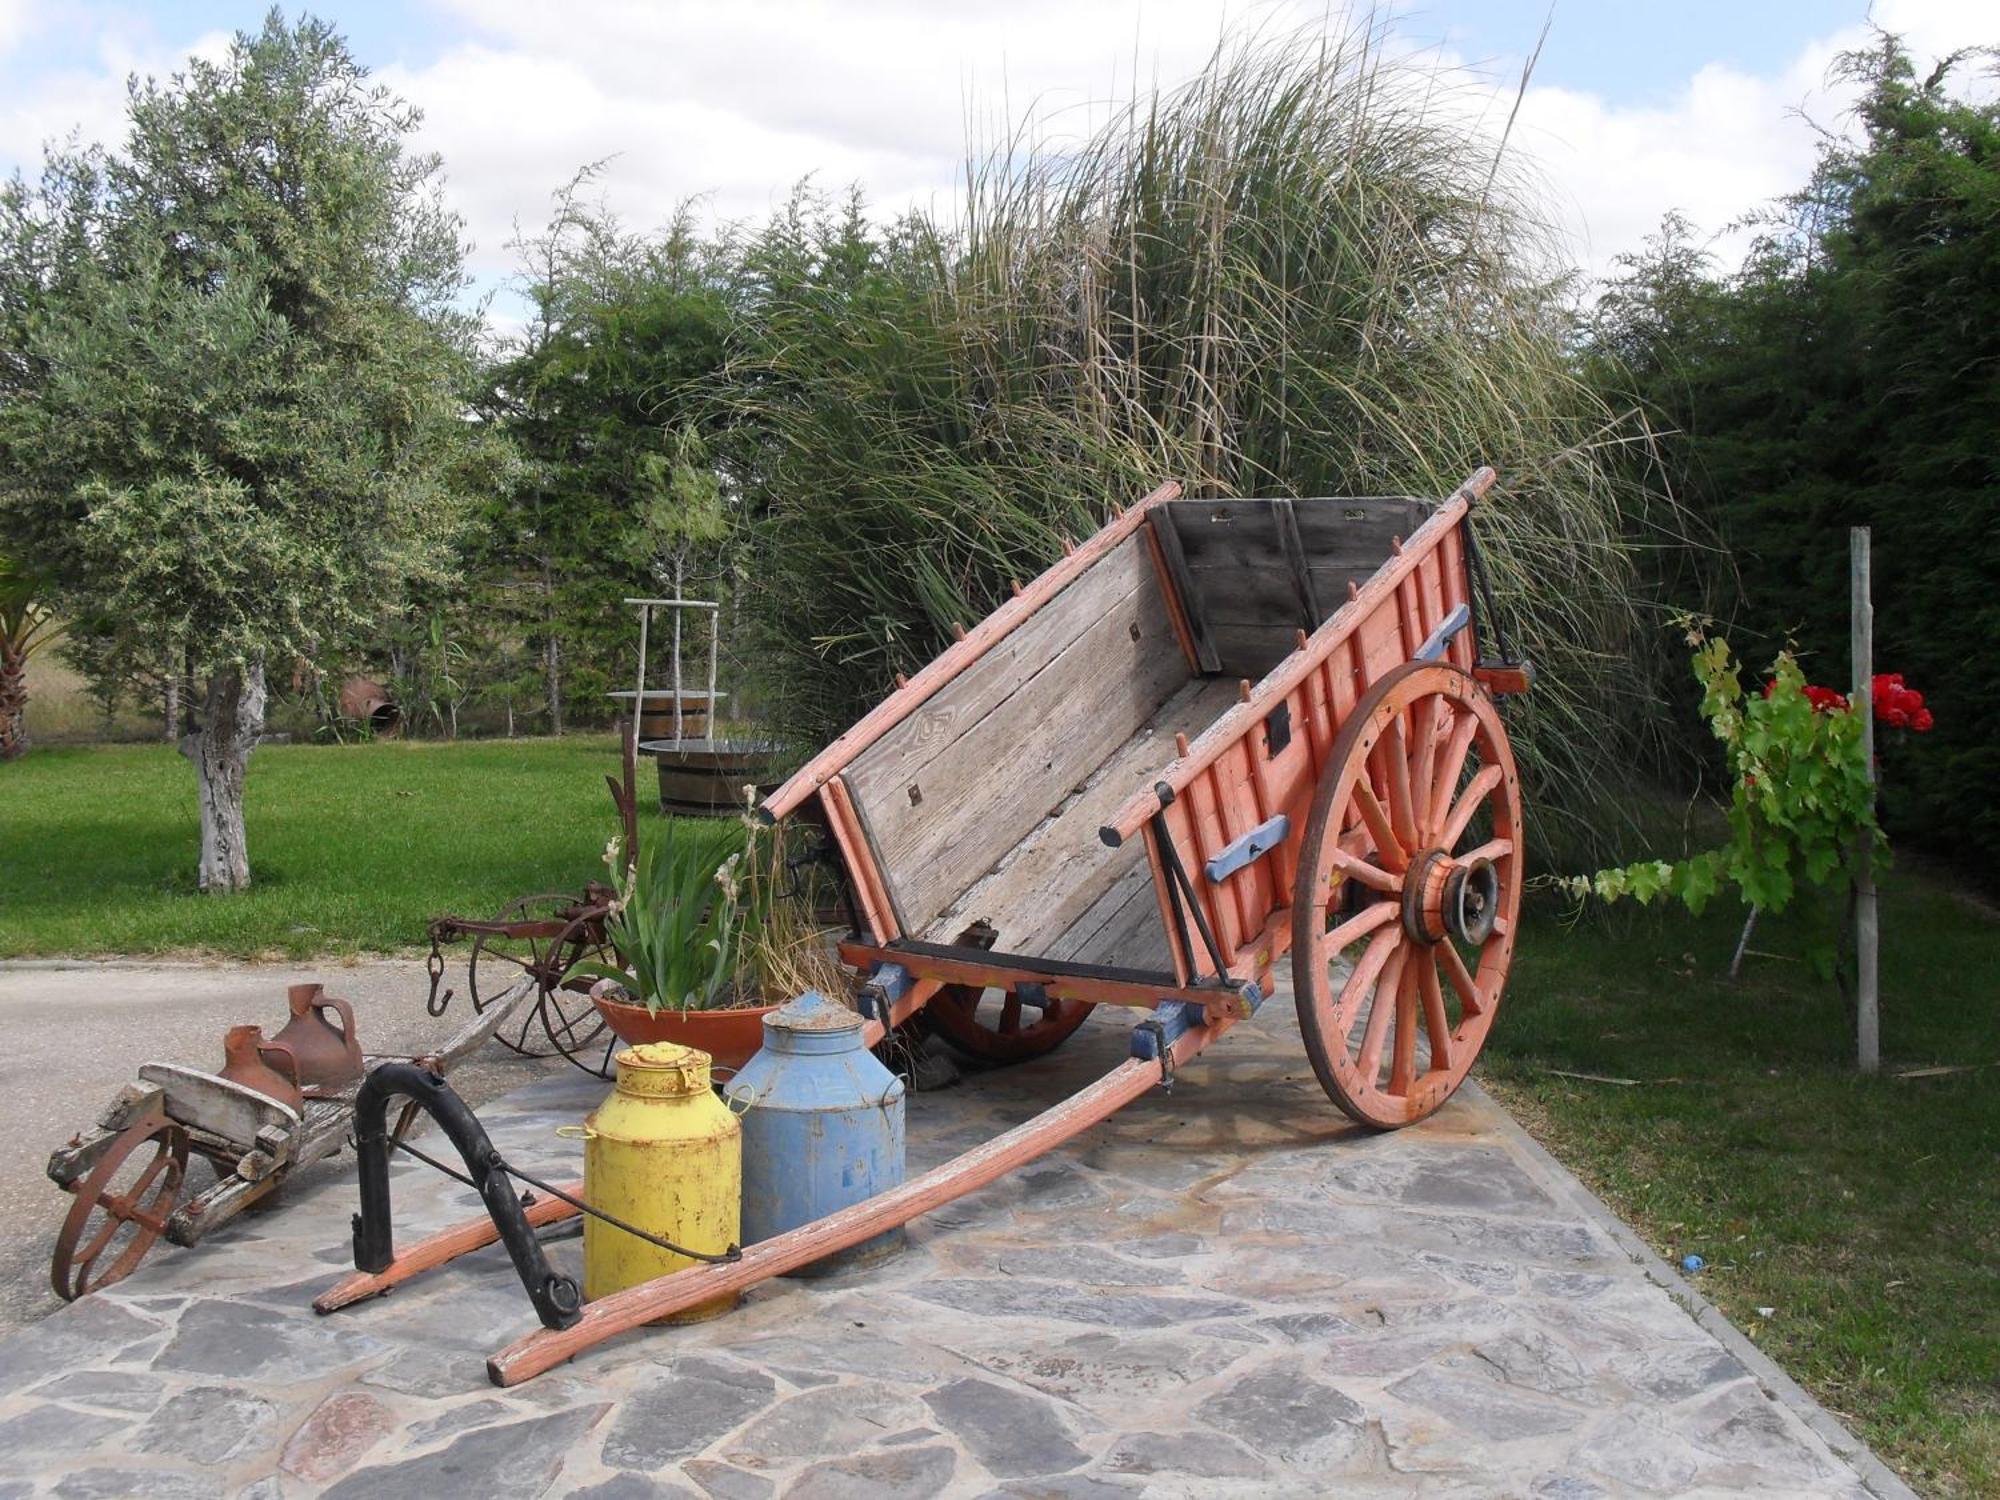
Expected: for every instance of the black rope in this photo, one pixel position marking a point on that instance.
(431, 1161)
(1478, 570)
(501, 1164)
(727, 1257)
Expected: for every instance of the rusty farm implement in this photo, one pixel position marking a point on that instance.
(1218, 735)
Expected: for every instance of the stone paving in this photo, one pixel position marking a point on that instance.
(1222, 1291)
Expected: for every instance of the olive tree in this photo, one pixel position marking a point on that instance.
(232, 377)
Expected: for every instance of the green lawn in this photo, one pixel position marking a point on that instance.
(1865, 1213)
(351, 847)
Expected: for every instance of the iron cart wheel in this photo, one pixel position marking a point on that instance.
(996, 1026)
(552, 934)
(118, 1214)
(1409, 895)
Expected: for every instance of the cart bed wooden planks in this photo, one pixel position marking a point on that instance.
(1047, 883)
(973, 771)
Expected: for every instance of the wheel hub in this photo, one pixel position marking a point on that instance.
(1443, 896)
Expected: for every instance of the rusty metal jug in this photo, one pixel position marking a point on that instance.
(244, 1050)
(328, 1056)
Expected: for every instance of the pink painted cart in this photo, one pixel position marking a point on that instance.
(1217, 733)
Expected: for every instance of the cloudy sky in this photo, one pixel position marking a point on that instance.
(1706, 106)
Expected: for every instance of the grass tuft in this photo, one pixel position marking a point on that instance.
(1307, 271)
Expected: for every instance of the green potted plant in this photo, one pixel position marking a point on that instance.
(706, 942)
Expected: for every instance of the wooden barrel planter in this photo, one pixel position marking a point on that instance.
(656, 712)
(700, 779)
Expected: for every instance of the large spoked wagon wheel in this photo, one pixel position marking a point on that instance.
(121, 1206)
(998, 1026)
(551, 935)
(1410, 891)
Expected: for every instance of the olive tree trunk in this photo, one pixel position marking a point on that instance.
(13, 700)
(232, 716)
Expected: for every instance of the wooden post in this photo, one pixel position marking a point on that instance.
(1866, 933)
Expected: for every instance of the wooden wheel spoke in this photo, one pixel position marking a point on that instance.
(1359, 870)
(1461, 979)
(1444, 781)
(1427, 719)
(1493, 849)
(1403, 1058)
(1368, 1062)
(1010, 1014)
(1462, 811)
(1370, 917)
(1395, 752)
(1436, 1022)
(1367, 970)
(1394, 855)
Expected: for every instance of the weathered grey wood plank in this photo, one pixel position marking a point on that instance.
(985, 781)
(1252, 650)
(1123, 929)
(216, 1105)
(904, 752)
(1183, 586)
(1295, 558)
(1046, 885)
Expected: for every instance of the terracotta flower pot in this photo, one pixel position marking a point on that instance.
(730, 1037)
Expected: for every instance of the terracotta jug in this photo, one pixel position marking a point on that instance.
(328, 1056)
(244, 1050)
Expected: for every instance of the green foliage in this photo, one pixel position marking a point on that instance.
(1801, 803)
(1849, 374)
(1290, 276)
(680, 918)
(604, 398)
(230, 397)
(26, 626)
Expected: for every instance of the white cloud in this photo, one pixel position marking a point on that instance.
(1726, 145)
(739, 101)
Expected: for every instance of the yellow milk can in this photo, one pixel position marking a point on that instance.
(664, 1154)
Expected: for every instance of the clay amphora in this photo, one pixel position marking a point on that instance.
(244, 1050)
(328, 1057)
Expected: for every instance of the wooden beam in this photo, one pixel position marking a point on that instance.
(1180, 586)
(438, 1249)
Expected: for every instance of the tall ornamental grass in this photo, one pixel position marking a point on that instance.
(1308, 271)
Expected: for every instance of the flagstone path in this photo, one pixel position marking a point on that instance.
(1225, 1290)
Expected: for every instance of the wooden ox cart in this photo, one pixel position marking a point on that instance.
(1218, 733)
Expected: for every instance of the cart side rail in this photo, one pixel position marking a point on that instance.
(962, 653)
(1288, 675)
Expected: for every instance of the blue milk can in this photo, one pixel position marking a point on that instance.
(822, 1127)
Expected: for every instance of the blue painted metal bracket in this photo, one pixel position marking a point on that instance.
(1433, 647)
(887, 984)
(1170, 1021)
(1250, 848)
(1153, 1038)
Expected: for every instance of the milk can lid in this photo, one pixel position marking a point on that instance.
(662, 1069)
(811, 1012)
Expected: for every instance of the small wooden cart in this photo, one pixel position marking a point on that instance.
(1219, 733)
(128, 1174)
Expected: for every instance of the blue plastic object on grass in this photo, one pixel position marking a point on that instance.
(1692, 1262)
(822, 1126)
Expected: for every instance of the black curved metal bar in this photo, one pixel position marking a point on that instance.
(558, 1301)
